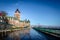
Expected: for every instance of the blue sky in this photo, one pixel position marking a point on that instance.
(46, 12)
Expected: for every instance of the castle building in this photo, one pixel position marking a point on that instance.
(17, 22)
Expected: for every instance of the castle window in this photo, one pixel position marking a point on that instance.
(10, 18)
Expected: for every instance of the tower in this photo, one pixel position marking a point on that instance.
(17, 14)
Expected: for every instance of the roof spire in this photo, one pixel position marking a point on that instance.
(17, 11)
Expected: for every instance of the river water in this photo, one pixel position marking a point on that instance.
(26, 35)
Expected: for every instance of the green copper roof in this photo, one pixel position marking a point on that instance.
(21, 21)
(12, 18)
(27, 21)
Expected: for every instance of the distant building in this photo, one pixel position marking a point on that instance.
(17, 21)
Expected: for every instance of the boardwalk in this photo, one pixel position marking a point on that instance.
(9, 30)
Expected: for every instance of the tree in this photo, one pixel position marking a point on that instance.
(3, 13)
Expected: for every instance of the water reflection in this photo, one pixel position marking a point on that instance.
(25, 34)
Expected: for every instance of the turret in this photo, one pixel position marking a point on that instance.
(17, 14)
